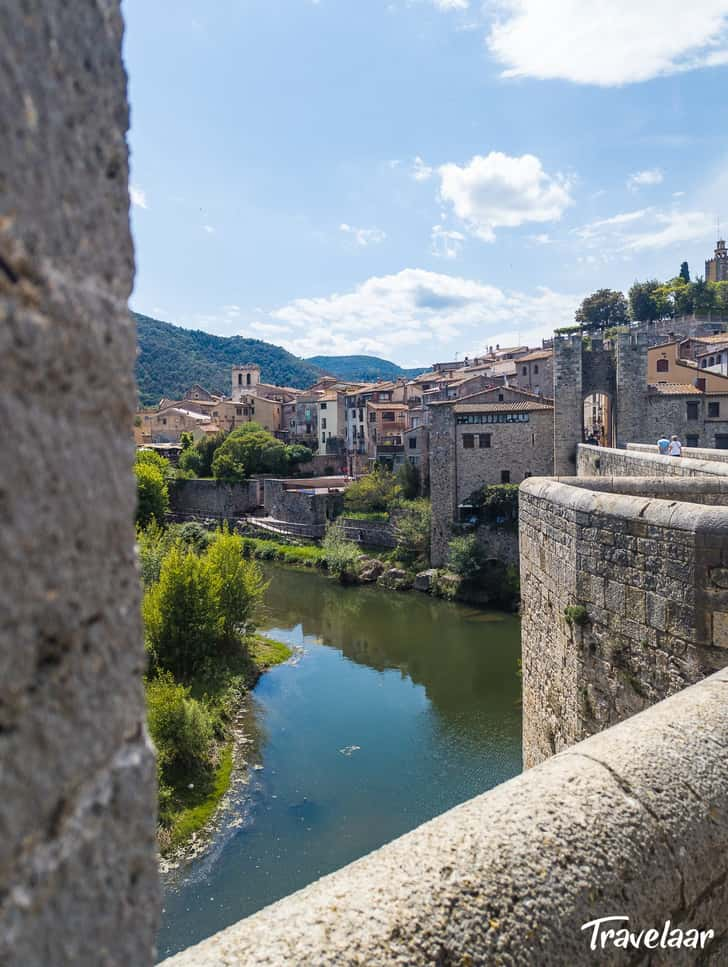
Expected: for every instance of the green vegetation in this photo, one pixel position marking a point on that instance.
(250, 449)
(307, 555)
(202, 594)
(576, 614)
(341, 555)
(172, 359)
(496, 505)
(197, 458)
(366, 515)
(603, 308)
(465, 557)
(651, 300)
(408, 477)
(152, 490)
(362, 368)
(412, 524)
(374, 492)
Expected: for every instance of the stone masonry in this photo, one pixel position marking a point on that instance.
(78, 875)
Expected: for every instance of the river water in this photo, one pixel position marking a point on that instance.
(394, 708)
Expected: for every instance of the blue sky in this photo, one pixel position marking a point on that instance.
(418, 178)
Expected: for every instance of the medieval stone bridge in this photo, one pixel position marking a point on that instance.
(625, 602)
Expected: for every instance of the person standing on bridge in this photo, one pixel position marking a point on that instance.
(663, 445)
(675, 449)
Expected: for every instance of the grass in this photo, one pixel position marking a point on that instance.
(306, 555)
(193, 799)
(365, 515)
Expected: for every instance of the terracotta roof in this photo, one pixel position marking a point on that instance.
(717, 347)
(388, 406)
(520, 407)
(536, 354)
(719, 337)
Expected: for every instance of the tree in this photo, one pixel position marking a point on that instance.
(602, 309)
(249, 449)
(274, 458)
(180, 618)
(236, 585)
(408, 477)
(180, 727)
(152, 493)
(412, 530)
(703, 296)
(186, 440)
(298, 454)
(465, 557)
(199, 457)
(372, 493)
(646, 301)
(684, 271)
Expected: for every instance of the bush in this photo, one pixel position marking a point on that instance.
(412, 530)
(181, 727)
(198, 458)
(340, 554)
(153, 543)
(465, 557)
(408, 477)
(374, 492)
(298, 454)
(180, 618)
(236, 586)
(497, 505)
(152, 492)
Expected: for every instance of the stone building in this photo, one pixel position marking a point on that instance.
(503, 435)
(535, 372)
(716, 269)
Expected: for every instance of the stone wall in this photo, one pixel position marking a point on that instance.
(373, 533)
(296, 504)
(193, 499)
(632, 822)
(78, 876)
(647, 580)
(610, 462)
(693, 453)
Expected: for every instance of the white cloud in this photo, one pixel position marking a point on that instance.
(646, 228)
(646, 178)
(138, 197)
(497, 190)
(446, 243)
(452, 4)
(209, 229)
(364, 236)
(414, 315)
(608, 42)
(541, 239)
(420, 170)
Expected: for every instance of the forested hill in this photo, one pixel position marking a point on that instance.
(366, 368)
(172, 359)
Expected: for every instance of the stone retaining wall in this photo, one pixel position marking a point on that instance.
(613, 826)
(607, 461)
(649, 578)
(373, 533)
(192, 499)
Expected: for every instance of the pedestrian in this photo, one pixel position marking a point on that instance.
(663, 445)
(675, 448)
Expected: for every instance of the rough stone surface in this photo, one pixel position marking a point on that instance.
(640, 568)
(395, 579)
(609, 826)
(611, 462)
(192, 499)
(369, 570)
(425, 580)
(78, 881)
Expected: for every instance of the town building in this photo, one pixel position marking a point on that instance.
(499, 436)
(535, 372)
(716, 269)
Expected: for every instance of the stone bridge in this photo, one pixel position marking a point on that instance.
(625, 603)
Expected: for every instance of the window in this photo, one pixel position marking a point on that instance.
(535, 372)
(721, 441)
(372, 417)
(247, 379)
(500, 397)
(324, 406)
(468, 441)
(505, 476)
(239, 410)
(700, 384)
(663, 365)
(692, 440)
(692, 411)
(484, 441)
(525, 370)
(713, 409)
(323, 423)
(711, 361)
(413, 443)
(240, 379)
(361, 415)
(323, 438)
(703, 363)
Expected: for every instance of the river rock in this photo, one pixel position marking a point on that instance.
(395, 579)
(425, 580)
(369, 570)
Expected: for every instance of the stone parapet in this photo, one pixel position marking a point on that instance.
(608, 461)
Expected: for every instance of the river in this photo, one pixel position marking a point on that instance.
(394, 708)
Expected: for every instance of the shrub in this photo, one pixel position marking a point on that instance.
(152, 493)
(412, 530)
(198, 458)
(153, 543)
(180, 619)
(236, 585)
(196, 536)
(298, 454)
(249, 449)
(340, 554)
(576, 614)
(408, 477)
(181, 727)
(375, 491)
(465, 557)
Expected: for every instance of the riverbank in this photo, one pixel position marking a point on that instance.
(191, 802)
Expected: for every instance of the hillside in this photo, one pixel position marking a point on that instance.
(171, 359)
(366, 368)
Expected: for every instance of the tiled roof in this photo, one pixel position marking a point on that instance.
(521, 407)
(719, 337)
(676, 389)
(536, 354)
(388, 406)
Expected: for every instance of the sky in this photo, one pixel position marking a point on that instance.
(418, 179)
